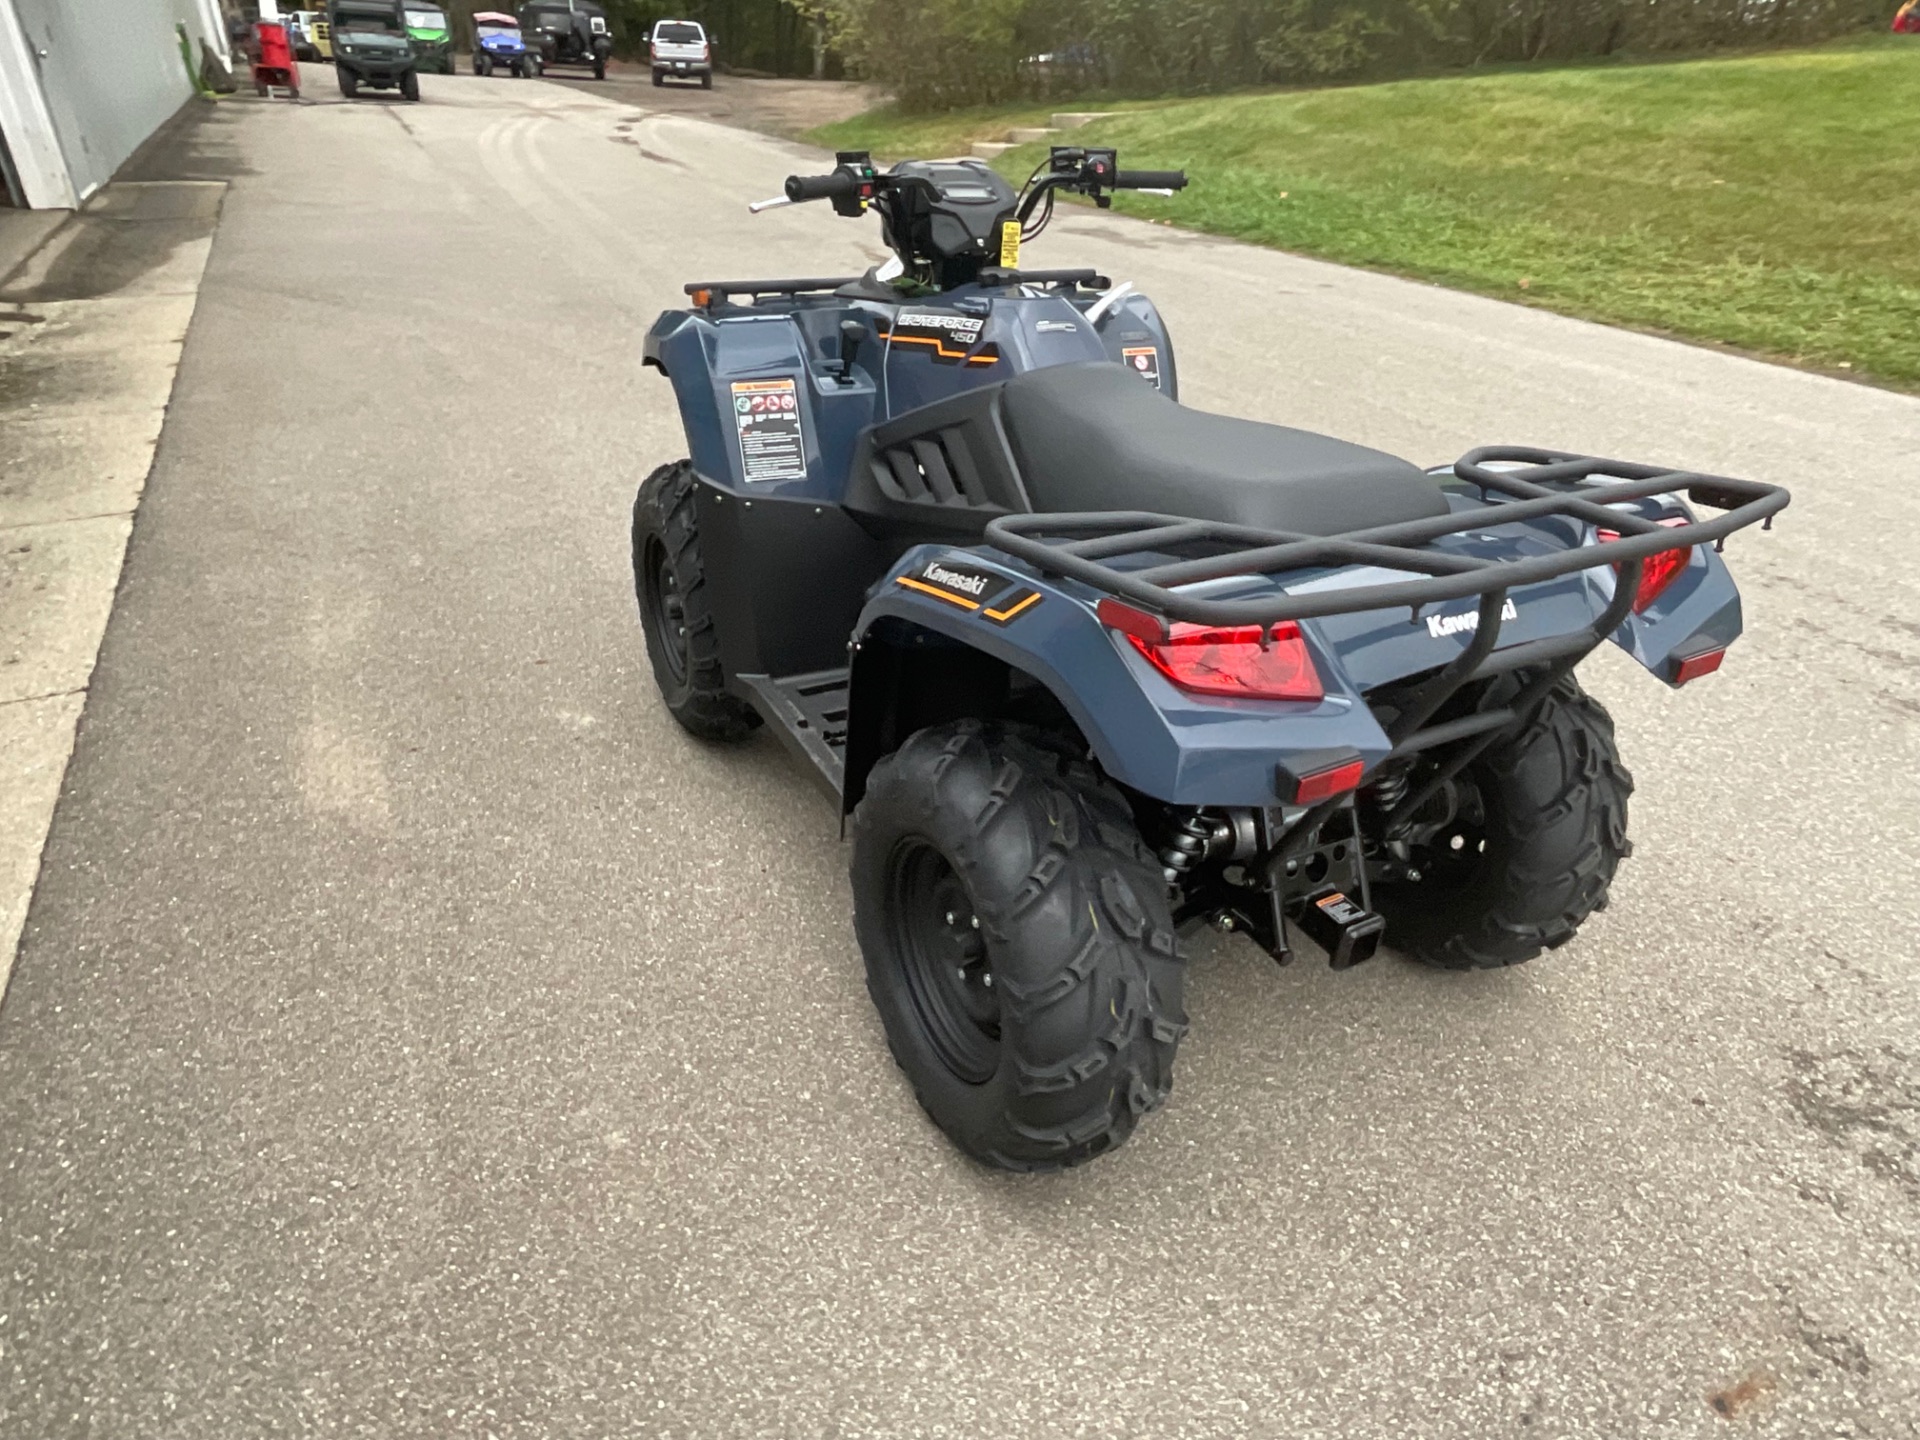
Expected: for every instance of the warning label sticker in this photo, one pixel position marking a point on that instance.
(767, 415)
(1144, 361)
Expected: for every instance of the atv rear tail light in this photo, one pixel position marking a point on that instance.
(1692, 667)
(1244, 662)
(1131, 621)
(1324, 784)
(1658, 570)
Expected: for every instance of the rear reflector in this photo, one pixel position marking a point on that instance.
(1658, 570)
(1694, 666)
(1325, 784)
(1243, 662)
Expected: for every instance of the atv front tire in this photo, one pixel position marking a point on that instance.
(1018, 944)
(669, 581)
(1530, 853)
(410, 85)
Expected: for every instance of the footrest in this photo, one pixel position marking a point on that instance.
(809, 712)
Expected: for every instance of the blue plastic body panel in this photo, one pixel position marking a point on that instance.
(705, 355)
(1196, 750)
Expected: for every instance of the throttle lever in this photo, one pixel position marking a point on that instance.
(758, 205)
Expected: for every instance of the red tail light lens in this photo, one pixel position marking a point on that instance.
(1240, 661)
(1658, 570)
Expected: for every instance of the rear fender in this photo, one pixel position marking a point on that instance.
(1146, 734)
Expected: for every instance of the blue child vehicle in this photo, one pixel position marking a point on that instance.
(498, 45)
(1086, 668)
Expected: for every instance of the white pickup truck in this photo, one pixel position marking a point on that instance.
(680, 51)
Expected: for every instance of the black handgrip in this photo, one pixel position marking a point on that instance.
(1150, 180)
(837, 186)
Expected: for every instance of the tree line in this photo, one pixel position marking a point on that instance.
(936, 54)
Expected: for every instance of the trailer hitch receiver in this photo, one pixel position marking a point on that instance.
(1347, 931)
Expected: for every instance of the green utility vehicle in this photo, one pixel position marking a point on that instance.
(432, 37)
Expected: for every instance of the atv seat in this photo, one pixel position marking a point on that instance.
(1094, 436)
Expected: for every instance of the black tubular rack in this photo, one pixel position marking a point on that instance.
(1519, 483)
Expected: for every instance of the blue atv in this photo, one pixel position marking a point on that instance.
(498, 45)
(1086, 669)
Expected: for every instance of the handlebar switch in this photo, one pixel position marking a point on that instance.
(858, 166)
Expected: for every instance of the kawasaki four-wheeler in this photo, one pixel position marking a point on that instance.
(371, 48)
(568, 32)
(1085, 668)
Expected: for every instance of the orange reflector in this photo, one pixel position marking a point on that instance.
(1325, 784)
(702, 298)
(1694, 666)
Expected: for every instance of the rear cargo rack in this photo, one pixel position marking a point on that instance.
(1542, 483)
(1521, 483)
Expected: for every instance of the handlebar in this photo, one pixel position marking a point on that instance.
(1150, 180)
(838, 185)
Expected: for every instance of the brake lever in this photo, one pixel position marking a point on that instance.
(758, 205)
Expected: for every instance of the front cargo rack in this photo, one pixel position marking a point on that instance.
(1519, 483)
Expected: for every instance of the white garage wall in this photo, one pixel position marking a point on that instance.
(111, 73)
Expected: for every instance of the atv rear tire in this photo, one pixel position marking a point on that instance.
(669, 581)
(1531, 856)
(1018, 944)
(349, 82)
(599, 67)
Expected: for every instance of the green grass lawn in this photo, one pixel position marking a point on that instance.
(1770, 202)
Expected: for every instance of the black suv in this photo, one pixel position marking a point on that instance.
(568, 32)
(371, 47)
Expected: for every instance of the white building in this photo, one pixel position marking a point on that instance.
(84, 82)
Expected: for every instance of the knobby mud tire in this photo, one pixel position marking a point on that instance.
(666, 515)
(1074, 917)
(1555, 827)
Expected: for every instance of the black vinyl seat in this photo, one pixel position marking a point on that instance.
(1094, 436)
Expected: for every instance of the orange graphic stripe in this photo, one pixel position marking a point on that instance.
(1005, 615)
(936, 592)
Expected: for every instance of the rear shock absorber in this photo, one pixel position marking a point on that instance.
(1200, 836)
(1389, 788)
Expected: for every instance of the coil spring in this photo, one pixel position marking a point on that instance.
(1188, 846)
(1389, 790)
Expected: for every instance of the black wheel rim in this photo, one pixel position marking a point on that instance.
(664, 610)
(942, 954)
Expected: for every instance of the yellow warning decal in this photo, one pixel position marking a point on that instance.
(1010, 245)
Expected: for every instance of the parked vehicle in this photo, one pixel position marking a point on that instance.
(371, 47)
(498, 45)
(308, 31)
(679, 50)
(1085, 668)
(568, 32)
(432, 37)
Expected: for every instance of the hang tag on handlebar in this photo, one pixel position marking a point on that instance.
(1010, 245)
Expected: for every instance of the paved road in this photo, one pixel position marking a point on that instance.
(416, 1035)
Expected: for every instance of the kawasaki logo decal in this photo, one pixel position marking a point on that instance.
(1441, 626)
(984, 592)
